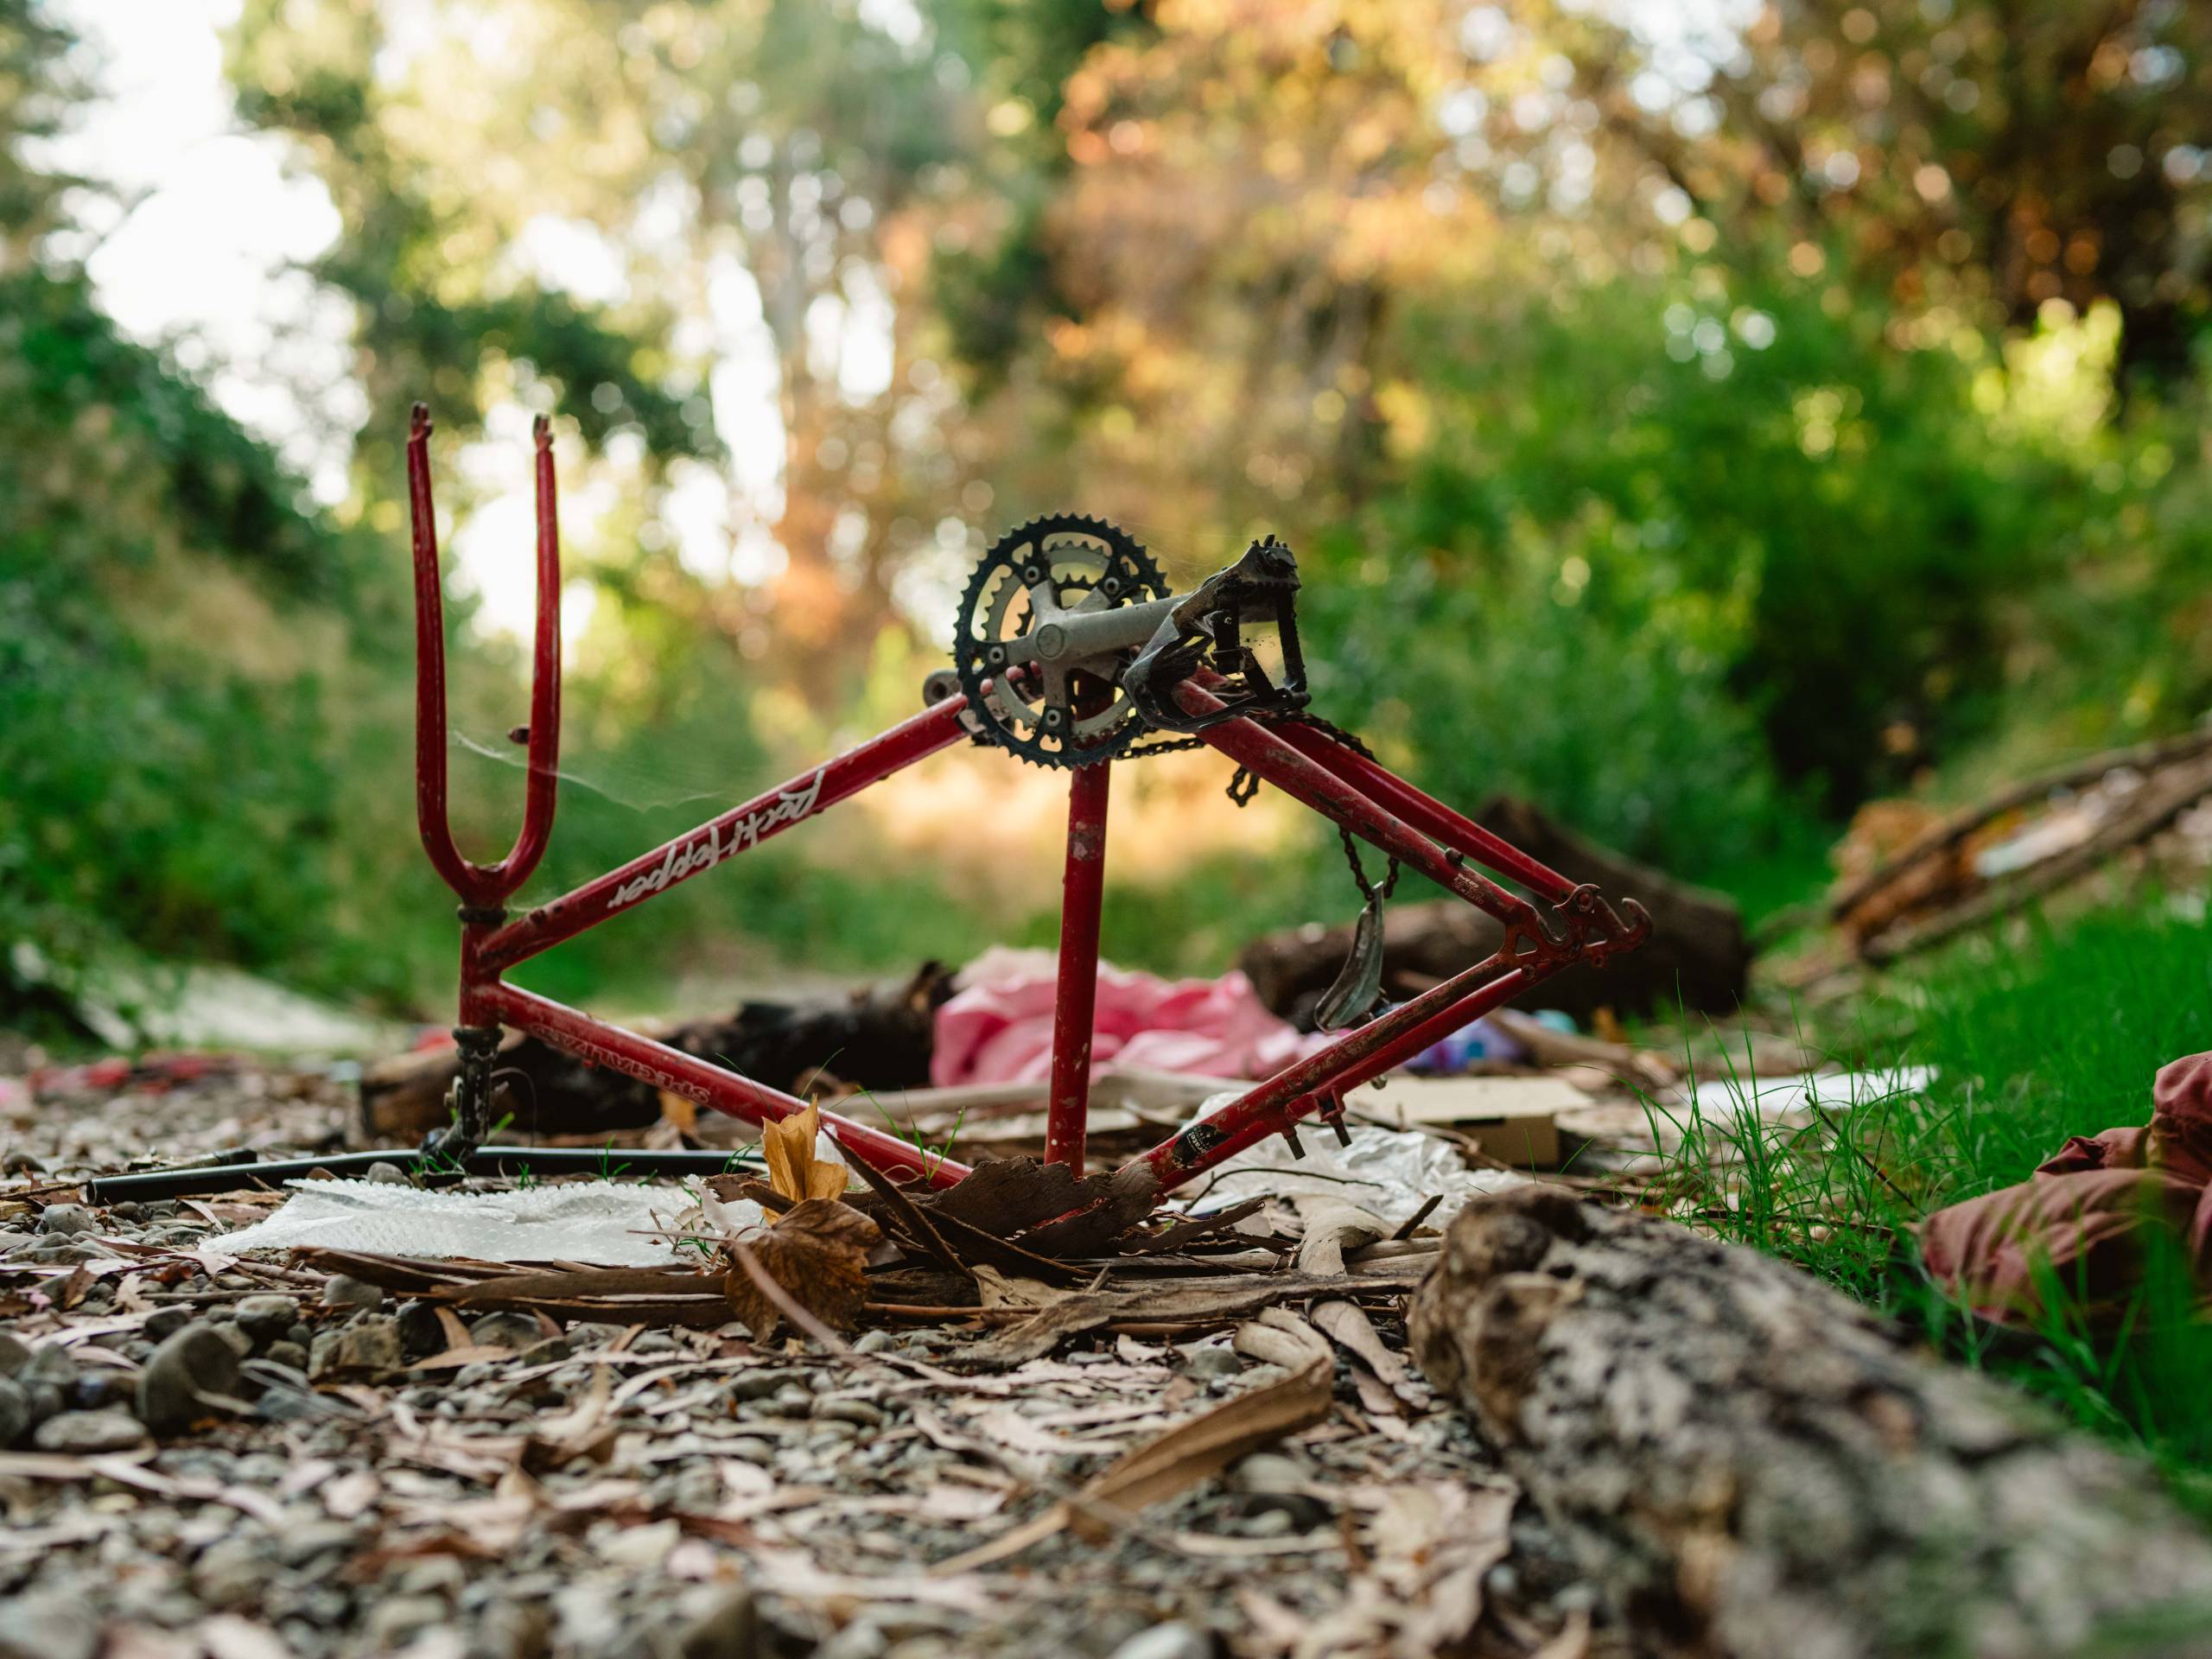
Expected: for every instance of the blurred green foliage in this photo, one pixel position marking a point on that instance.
(148, 777)
(1700, 464)
(1698, 567)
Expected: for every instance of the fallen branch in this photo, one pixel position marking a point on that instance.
(1743, 1458)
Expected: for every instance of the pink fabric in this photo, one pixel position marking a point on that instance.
(2082, 1215)
(998, 1028)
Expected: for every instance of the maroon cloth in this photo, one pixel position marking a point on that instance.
(2082, 1215)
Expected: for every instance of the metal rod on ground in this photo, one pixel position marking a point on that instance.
(230, 1177)
(1076, 998)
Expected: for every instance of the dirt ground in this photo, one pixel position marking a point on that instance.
(252, 1457)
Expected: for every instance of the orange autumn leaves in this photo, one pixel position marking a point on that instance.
(812, 1265)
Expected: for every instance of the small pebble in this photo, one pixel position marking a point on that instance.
(87, 1432)
(512, 1330)
(1214, 1362)
(291, 1355)
(197, 1359)
(15, 1412)
(49, 1625)
(421, 1331)
(1268, 1472)
(66, 1220)
(1577, 1599)
(387, 1174)
(343, 1290)
(1172, 1641)
(790, 1401)
(165, 1322)
(267, 1318)
(393, 1619)
(730, 1629)
(756, 1385)
(52, 1363)
(369, 1345)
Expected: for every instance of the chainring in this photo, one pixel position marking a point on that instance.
(1065, 562)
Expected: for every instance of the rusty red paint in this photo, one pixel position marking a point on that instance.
(713, 1086)
(1083, 885)
(482, 887)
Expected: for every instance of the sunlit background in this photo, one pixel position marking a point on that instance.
(1703, 420)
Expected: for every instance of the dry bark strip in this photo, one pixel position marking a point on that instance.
(1224, 1297)
(1192, 1451)
(1750, 1465)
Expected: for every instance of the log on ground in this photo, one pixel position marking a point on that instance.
(1752, 1465)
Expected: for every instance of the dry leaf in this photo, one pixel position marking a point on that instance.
(1003, 1290)
(793, 1170)
(817, 1254)
(1332, 1227)
(1191, 1452)
(683, 1114)
(1352, 1331)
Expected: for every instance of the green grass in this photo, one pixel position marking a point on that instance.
(2054, 1030)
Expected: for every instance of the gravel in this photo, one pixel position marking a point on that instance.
(276, 1480)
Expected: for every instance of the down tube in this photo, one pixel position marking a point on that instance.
(1295, 1091)
(709, 1085)
(735, 831)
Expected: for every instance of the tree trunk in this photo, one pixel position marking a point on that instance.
(1698, 946)
(1750, 1465)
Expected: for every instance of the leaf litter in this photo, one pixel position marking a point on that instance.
(1031, 1415)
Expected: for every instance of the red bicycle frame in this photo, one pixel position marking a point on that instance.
(1560, 924)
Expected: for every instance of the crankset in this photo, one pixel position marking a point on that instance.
(1070, 648)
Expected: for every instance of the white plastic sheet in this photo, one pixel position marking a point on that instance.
(603, 1223)
(1390, 1173)
(1722, 1098)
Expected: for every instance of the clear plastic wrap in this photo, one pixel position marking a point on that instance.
(1390, 1173)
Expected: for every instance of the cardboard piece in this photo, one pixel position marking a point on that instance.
(1514, 1119)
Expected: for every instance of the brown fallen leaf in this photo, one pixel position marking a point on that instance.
(1007, 1196)
(1189, 1231)
(999, 1290)
(655, 1296)
(793, 1170)
(1191, 1452)
(1348, 1325)
(1332, 1227)
(1129, 1195)
(1212, 1297)
(817, 1254)
(1060, 1215)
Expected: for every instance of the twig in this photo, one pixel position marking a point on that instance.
(1406, 1229)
